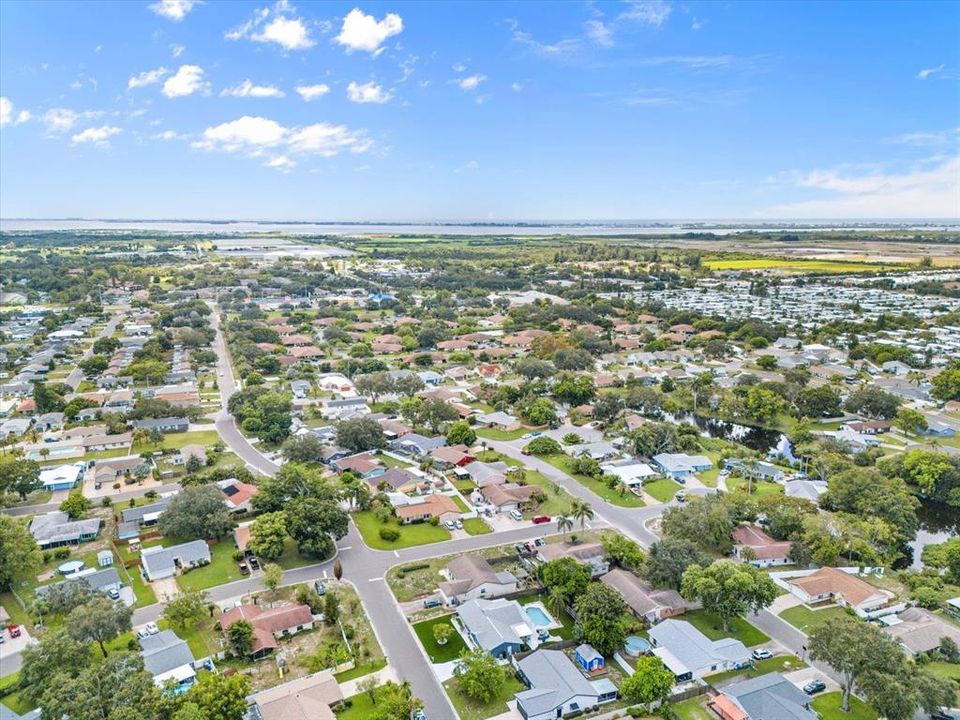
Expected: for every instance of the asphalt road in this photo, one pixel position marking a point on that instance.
(76, 375)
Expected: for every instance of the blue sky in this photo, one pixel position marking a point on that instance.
(528, 110)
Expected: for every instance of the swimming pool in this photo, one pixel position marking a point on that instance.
(636, 646)
(538, 616)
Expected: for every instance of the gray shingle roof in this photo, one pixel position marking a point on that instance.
(693, 648)
(553, 681)
(494, 622)
(165, 651)
(771, 697)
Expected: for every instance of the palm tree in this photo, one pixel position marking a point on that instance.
(139, 436)
(556, 602)
(621, 487)
(564, 523)
(582, 511)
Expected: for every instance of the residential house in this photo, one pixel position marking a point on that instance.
(424, 507)
(416, 445)
(845, 589)
(363, 465)
(146, 514)
(680, 466)
(590, 554)
(752, 545)
(305, 698)
(164, 424)
(55, 529)
(498, 626)
(104, 580)
(168, 658)
(631, 471)
(237, 495)
(269, 625)
(397, 479)
(689, 654)
(499, 420)
(507, 497)
(451, 456)
(556, 688)
(62, 477)
(599, 451)
(919, 631)
(642, 599)
(470, 577)
(345, 408)
(159, 562)
(767, 697)
(484, 473)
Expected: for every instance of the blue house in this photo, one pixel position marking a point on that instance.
(679, 466)
(588, 658)
(938, 429)
(63, 477)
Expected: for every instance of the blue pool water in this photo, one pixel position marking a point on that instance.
(636, 645)
(539, 617)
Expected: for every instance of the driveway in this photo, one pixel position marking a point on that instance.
(809, 674)
(165, 589)
(10, 651)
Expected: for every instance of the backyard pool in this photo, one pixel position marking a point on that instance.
(540, 617)
(636, 646)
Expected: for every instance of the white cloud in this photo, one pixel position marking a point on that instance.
(697, 23)
(279, 145)
(59, 120)
(459, 68)
(147, 77)
(312, 92)
(168, 135)
(364, 32)
(6, 111)
(23, 116)
(517, 87)
(278, 24)
(248, 89)
(186, 81)
(471, 82)
(926, 191)
(928, 72)
(599, 32)
(468, 167)
(367, 93)
(177, 50)
(648, 12)
(96, 135)
(175, 10)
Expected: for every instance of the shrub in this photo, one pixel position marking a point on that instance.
(61, 553)
(389, 534)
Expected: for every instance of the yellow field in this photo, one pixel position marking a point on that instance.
(800, 266)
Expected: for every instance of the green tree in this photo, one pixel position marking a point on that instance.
(373, 385)
(873, 402)
(306, 448)
(314, 524)
(582, 511)
(99, 620)
(599, 612)
(543, 445)
(240, 638)
(54, 654)
(706, 521)
(565, 575)
(442, 632)
(76, 505)
(46, 399)
(272, 575)
(460, 433)
(197, 511)
(910, 421)
(359, 434)
(479, 675)
(18, 475)
(651, 682)
(186, 609)
(624, 552)
(268, 534)
(728, 588)
(762, 404)
(946, 384)
(818, 402)
(220, 697)
(574, 389)
(867, 492)
(20, 557)
(116, 689)
(669, 558)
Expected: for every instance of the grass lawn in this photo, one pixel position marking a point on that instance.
(562, 462)
(222, 569)
(761, 488)
(392, 462)
(13, 700)
(361, 670)
(476, 526)
(663, 489)
(200, 637)
(950, 671)
(439, 653)
(692, 709)
(828, 706)
(780, 663)
(175, 441)
(711, 626)
(361, 707)
(494, 434)
(458, 501)
(799, 265)
(805, 619)
(469, 709)
(290, 558)
(554, 503)
(17, 615)
(410, 535)
(143, 592)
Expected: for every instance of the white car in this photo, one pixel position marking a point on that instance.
(762, 654)
(151, 628)
(516, 515)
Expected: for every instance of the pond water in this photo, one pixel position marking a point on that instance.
(755, 438)
(938, 522)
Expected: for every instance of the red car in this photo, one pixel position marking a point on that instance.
(540, 519)
(14, 631)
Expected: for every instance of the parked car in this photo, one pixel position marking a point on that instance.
(450, 525)
(812, 688)
(432, 603)
(319, 587)
(681, 496)
(114, 593)
(516, 515)
(142, 633)
(151, 627)
(254, 563)
(419, 715)
(540, 519)
(762, 654)
(14, 631)
(458, 524)
(244, 569)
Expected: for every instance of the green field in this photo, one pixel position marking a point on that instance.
(176, 441)
(799, 265)
(598, 487)
(469, 709)
(693, 709)
(410, 535)
(476, 526)
(760, 488)
(222, 569)
(711, 626)
(829, 708)
(805, 619)
(663, 489)
(439, 653)
(780, 663)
